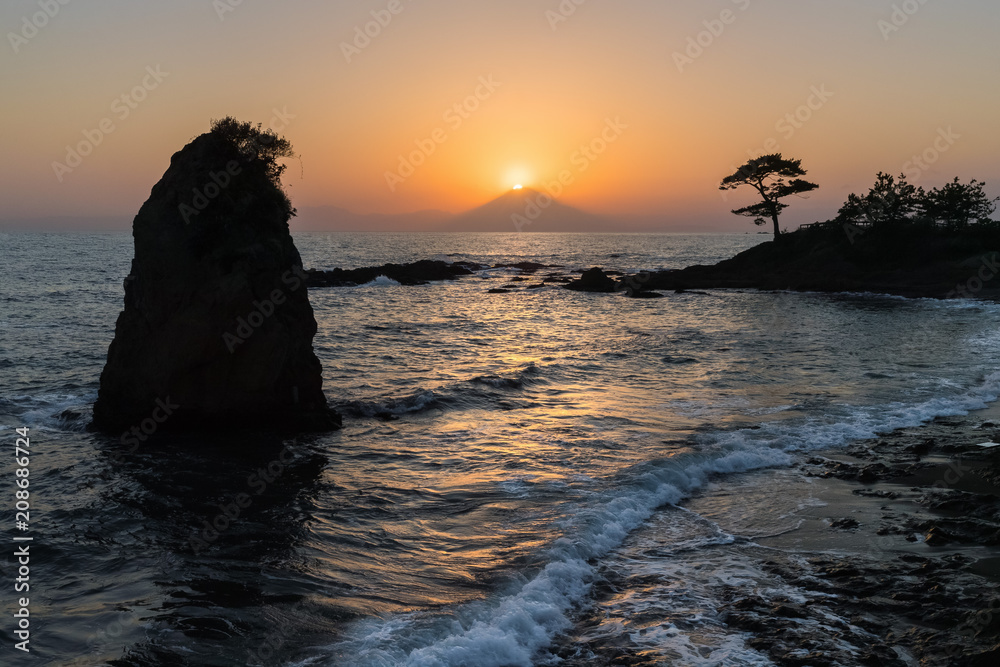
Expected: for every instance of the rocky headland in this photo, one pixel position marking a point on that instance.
(912, 262)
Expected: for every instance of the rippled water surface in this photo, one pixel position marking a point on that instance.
(499, 452)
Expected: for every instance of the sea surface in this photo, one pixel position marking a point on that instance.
(515, 480)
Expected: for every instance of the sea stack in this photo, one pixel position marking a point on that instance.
(217, 328)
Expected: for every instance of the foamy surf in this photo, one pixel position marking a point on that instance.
(61, 412)
(381, 281)
(517, 625)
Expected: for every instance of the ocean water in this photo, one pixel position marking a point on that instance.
(503, 458)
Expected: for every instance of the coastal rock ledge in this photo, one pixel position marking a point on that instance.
(217, 328)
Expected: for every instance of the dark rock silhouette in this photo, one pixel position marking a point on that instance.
(593, 280)
(415, 273)
(217, 328)
(527, 267)
(912, 262)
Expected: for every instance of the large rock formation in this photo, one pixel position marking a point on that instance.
(217, 328)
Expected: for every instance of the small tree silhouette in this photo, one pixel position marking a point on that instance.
(769, 175)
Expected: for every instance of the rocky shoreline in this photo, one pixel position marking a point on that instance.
(897, 562)
(920, 262)
(914, 521)
(890, 559)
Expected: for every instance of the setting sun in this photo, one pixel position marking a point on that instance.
(502, 333)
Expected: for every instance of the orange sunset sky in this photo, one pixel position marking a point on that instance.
(851, 87)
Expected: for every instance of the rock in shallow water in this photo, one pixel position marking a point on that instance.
(593, 280)
(217, 327)
(415, 273)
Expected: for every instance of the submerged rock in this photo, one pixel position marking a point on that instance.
(527, 267)
(217, 328)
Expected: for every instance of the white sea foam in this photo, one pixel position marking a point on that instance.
(50, 410)
(414, 403)
(381, 281)
(514, 626)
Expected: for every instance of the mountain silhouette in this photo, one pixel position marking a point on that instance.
(526, 210)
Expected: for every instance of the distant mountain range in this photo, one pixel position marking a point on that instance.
(525, 210)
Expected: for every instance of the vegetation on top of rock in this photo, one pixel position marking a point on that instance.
(258, 149)
(894, 202)
(890, 201)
